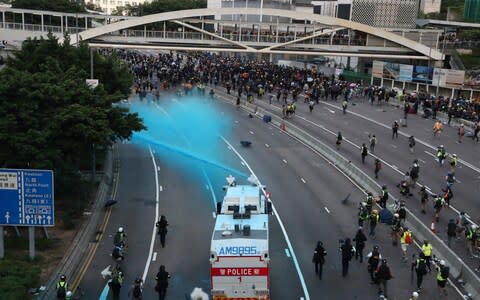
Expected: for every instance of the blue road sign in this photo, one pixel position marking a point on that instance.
(26, 197)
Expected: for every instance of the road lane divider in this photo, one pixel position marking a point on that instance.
(280, 222)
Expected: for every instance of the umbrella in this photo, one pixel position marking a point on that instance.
(352, 85)
(163, 69)
(260, 86)
(309, 79)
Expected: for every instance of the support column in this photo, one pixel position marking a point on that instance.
(453, 94)
(203, 28)
(471, 94)
(86, 23)
(23, 21)
(66, 23)
(259, 29)
(31, 242)
(41, 17)
(3, 18)
(61, 24)
(145, 31)
(2, 249)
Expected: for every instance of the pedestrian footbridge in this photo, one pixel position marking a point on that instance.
(239, 30)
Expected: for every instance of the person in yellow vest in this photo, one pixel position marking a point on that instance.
(427, 251)
(62, 288)
(442, 276)
(405, 241)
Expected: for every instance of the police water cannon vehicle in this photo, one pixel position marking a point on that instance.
(239, 254)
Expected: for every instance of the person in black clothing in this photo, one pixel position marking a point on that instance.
(162, 229)
(347, 253)
(162, 282)
(383, 275)
(395, 129)
(319, 258)
(373, 261)
(420, 267)
(451, 231)
(359, 240)
(363, 152)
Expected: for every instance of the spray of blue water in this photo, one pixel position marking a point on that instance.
(185, 133)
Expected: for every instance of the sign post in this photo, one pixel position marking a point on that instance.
(27, 200)
(2, 250)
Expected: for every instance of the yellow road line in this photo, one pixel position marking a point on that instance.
(98, 237)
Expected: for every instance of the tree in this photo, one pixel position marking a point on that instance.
(159, 6)
(51, 118)
(70, 6)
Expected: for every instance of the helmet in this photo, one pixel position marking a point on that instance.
(374, 211)
(364, 203)
(69, 294)
(396, 215)
(360, 227)
(375, 247)
(474, 227)
(442, 262)
(441, 146)
(120, 229)
(63, 277)
(384, 261)
(415, 295)
(454, 155)
(384, 187)
(138, 280)
(415, 164)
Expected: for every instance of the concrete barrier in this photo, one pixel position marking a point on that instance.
(458, 269)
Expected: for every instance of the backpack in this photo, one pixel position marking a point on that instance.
(408, 238)
(61, 292)
(444, 272)
(137, 291)
(422, 266)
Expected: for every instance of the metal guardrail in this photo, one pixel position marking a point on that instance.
(458, 269)
(77, 251)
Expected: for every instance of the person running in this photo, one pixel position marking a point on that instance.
(162, 225)
(363, 152)
(344, 106)
(395, 127)
(319, 259)
(359, 240)
(162, 282)
(437, 128)
(438, 204)
(383, 275)
(405, 241)
(339, 140)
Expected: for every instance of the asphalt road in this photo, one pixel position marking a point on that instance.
(306, 192)
(363, 119)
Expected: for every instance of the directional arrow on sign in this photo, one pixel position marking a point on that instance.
(7, 217)
(27, 217)
(106, 272)
(39, 219)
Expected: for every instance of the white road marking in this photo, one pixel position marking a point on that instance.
(458, 181)
(394, 167)
(214, 215)
(243, 164)
(394, 146)
(152, 241)
(158, 168)
(284, 161)
(207, 187)
(422, 161)
(267, 145)
(236, 121)
(154, 258)
(287, 253)
(251, 132)
(303, 180)
(326, 209)
(161, 188)
(282, 227)
(229, 148)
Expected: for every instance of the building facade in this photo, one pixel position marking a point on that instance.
(108, 6)
(472, 11)
(430, 6)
